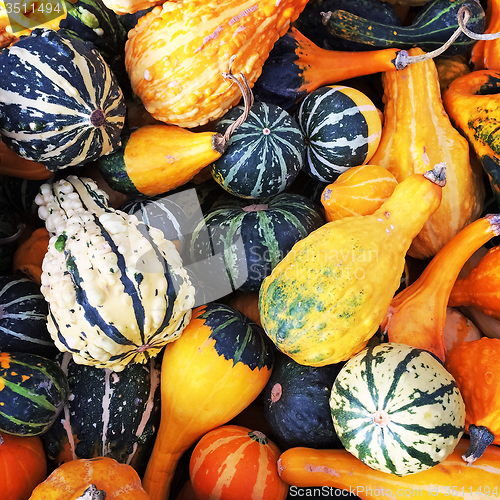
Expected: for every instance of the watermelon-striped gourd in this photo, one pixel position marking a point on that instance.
(107, 414)
(60, 103)
(397, 409)
(342, 129)
(32, 392)
(263, 156)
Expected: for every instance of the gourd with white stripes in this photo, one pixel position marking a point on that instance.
(60, 103)
(116, 288)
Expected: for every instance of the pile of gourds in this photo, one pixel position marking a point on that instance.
(248, 248)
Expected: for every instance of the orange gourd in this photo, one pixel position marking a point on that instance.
(176, 54)
(416, 134)
(71, 479)
(451, 478)
(417, 314)
(358, 191)
(29, 255)
(23, 466)
(485, 53)
(458, 328)
(235, 463)
(247, 303)
(450, 68)
(12, 165)
(476, 369)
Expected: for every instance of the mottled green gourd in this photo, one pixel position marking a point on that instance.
(116, 288)
(327, 297)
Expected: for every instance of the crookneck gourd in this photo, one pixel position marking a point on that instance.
(327, 297)
(116, 288)
(485, 53)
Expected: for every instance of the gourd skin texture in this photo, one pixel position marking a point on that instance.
(417, 134)
(176, 54)
(485, 53)
(327, 297)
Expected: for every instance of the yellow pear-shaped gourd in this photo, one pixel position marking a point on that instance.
(328, 296)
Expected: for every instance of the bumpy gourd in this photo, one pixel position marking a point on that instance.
(117, 290)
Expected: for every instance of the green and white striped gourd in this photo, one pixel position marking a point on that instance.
(264, 154)
(60, 103)
(342, 129)
(116, 288)
(397, 409)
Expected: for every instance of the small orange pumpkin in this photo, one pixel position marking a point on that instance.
(235, 463)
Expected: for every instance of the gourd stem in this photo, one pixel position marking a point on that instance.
(480, 439)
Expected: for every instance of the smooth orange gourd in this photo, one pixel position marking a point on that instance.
(29, 255)
(13, 165)
(485, 54)
(417, 314)
(458, 328)
(417, 133)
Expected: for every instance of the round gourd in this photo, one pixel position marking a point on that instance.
(342, 129)
(33, 390)
(263, 156)
(61, 103)
(397, 409)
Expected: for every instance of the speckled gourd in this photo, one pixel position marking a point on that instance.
(116, 288)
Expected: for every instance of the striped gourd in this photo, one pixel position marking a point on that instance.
(397, 409)
(107, 414)
(248, 240)
(60, 103)
(32, 392)
(342, 129)
(263, 156)
(23, 322)
(117, 290)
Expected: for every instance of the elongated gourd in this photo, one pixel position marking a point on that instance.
(417, 315)
(328, 296)
(418, 133)
(485, 53)
(305, 467)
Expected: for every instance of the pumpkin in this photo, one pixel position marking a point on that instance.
(11, 164)
(484, 53)
(475, 368)
(106, 414)
(473, 106)
(305, 467)
(357, 191)
(414, 117)
(417, 315)
(397, 409)
(23, 464)
(229, 35)
(342, 129)
(29, 255)
(34, 389)
(220, 365)
(458, 328)
(233, 462)
(66, 127)
(76, 480)
(116, 289)
(327, 297)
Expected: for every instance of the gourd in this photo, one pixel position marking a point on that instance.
(178, 73)
(484, 53)
(246, 241)
(296, 404)
(34, 389)
(220, 365)
(20, 195)
(450, 68)
(123, 7)
(59, 117)
(23, 322)
(458, 328)
(29, 255)
(417, 315)
(473, 106)
(106, 414)
(480, 287)
(328, 295)
(305, 467)
(264, 155)
(342, 129)
(357, 191)
(414, 115)
(89, 478)
(23, 464)
(475, 368)
(11, 164)
(431, 28)
(233, 462)
(116, 289)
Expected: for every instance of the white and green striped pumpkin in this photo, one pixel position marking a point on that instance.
(60, 103)
(342, 129)
(397, 409)
(116, 288)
